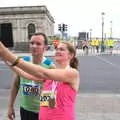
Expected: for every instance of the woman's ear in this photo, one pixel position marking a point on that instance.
(71, 55)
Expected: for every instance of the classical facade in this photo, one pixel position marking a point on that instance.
(17, 24)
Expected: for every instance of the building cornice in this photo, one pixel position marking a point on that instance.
(26, 10)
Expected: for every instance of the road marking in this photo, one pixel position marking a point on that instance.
(108, 62)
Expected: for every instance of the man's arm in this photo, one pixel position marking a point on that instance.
(13, 93)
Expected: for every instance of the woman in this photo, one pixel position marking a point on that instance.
(61, 84)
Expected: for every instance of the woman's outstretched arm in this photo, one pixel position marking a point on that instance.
(66, 75)
(21, 73)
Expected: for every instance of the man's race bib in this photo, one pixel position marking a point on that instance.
(45, 97)
(31, 90)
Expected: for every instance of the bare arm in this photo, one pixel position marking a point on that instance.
(14, 90)
(69, 75)
(21, 73)
(13, 93)
(55, 74)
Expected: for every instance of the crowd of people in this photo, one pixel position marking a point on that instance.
(96, 46)
(47, 90)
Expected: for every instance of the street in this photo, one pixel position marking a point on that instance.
(99, 74)
(98, 97)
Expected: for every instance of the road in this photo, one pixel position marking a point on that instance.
(99, 74)
(98, 97)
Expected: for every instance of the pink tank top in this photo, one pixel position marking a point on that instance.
(65, 103)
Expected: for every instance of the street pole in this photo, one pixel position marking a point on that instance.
(110, 29)
(102, 42)
(90, 34)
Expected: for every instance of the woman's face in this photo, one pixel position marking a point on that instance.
(62, 54)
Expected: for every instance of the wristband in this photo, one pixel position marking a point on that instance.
(15, 62)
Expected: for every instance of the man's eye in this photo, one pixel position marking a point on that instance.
(38, 44)
(32, 43)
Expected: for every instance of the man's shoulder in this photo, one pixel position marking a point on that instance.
(27, 58)
(47, 61)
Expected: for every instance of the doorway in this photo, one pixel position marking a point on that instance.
(6, 34)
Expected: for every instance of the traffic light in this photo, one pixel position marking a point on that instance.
(64, 27)
(59, 27)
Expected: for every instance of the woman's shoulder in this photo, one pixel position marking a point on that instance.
(74, 70)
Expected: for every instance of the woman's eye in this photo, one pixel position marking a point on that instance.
(61, 49)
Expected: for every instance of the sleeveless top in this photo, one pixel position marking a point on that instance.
(85, 43)
(30, 90)
(65, 102)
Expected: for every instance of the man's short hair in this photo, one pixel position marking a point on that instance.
(45, 37)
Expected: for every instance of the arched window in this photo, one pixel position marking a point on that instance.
(31, 30)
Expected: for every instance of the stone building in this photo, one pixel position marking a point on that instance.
(17, 24)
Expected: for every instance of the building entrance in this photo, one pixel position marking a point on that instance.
(6, 34)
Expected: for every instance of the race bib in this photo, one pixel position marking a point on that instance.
(45, 98)
(31, 90)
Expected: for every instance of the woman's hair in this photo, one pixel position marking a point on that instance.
(74, 61)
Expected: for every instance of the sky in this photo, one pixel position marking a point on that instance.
(79, 15)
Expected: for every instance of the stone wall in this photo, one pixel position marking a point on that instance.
(21, 17)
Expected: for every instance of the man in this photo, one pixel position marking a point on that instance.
(29, 90)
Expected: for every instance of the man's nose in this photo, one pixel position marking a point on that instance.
(34, 45)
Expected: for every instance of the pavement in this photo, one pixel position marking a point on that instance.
(89, 106)
(79, 52)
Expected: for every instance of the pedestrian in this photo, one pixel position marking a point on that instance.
(85, 47)
(29, 90)
(59, 91)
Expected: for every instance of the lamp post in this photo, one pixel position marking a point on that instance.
(90, 34)
(102, 42)
(110, 29)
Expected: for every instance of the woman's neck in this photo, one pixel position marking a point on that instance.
(63, 65)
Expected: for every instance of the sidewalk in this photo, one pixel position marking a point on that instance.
(98, 107)
(79, 53)
(88, 106)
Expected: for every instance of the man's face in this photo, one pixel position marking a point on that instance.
(37, 45)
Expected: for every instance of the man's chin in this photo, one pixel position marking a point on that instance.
(33, 54)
